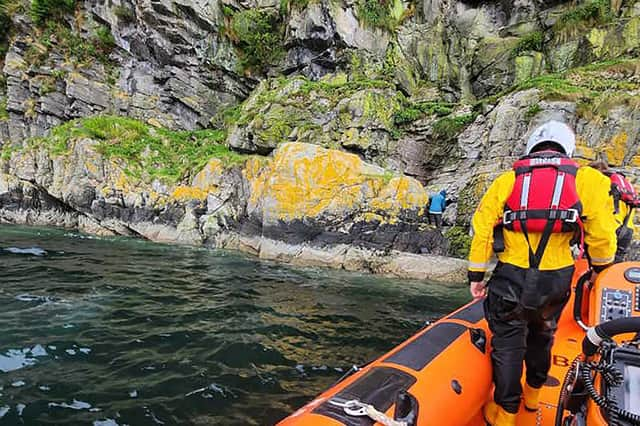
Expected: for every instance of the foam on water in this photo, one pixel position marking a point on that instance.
(34, 251)
(75, 405)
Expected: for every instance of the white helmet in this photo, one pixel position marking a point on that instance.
(553, 131)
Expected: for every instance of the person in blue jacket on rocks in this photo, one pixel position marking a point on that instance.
(437, 204)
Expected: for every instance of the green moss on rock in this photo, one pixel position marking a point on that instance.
(459, 241)
(532, 41)
(448, 128)
(4, 115)
(470, 196)
(529, 66)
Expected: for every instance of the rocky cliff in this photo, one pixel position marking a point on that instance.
(301, 130)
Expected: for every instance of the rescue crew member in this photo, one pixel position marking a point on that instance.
(624, 212)
(437, 204)
(531, 282)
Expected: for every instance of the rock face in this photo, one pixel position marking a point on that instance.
(311, 194)
(301, 206)
(352, 112)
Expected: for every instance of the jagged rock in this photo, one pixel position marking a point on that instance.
(493, 66)
(354, 34)
(311, 40)
(87, 91)
(360, 119)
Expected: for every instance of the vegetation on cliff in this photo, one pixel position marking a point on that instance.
(148, 152)
(258, 34)
(44, 10)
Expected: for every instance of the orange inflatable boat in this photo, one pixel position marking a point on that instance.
(442, 375)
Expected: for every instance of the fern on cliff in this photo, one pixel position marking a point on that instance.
(42, 10)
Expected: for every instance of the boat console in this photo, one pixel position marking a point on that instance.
(603, 384)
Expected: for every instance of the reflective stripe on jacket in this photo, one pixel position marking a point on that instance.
(599, 225)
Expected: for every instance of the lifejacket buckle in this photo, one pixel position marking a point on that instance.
(506, 217)
(572, 216)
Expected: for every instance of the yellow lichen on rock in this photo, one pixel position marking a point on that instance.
(308, 181)
(210, 176)
(583, 150)
(185, 193)
(617, 149)
(401, 193)
(122, 183)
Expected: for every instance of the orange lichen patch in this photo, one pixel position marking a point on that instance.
(617, 149)
(306, 180)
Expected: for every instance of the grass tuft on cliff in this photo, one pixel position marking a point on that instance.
(385, 14)
(148, 152)
(56, 35)
(585, 15)
(596, 88)
(415, 111)
(8, 8)
(4, 115)
(447, 128)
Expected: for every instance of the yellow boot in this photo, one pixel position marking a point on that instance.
(504, 418)
(531, 397)
(491, 412)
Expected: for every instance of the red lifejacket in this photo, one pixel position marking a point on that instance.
(544, 200)
(622, 190)
(544, 195)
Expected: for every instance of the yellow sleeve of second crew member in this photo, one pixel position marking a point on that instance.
(597, 209)
(485, 218)
(630, 224)
(624, 210)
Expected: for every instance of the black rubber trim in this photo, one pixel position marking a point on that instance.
(472, 313)
(378, 387)
(417, 354)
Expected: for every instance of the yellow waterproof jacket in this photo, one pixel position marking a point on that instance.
(599, 225)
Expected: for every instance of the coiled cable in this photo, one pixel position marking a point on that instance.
(613, 377)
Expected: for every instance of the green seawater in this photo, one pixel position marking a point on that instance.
(115, 331)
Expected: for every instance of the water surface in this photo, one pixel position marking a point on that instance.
(125, 332)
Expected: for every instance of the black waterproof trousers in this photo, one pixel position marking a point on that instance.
(624, 237)
(523, 334)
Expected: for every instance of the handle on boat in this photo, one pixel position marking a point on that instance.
(606, 331)
(577, 303)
